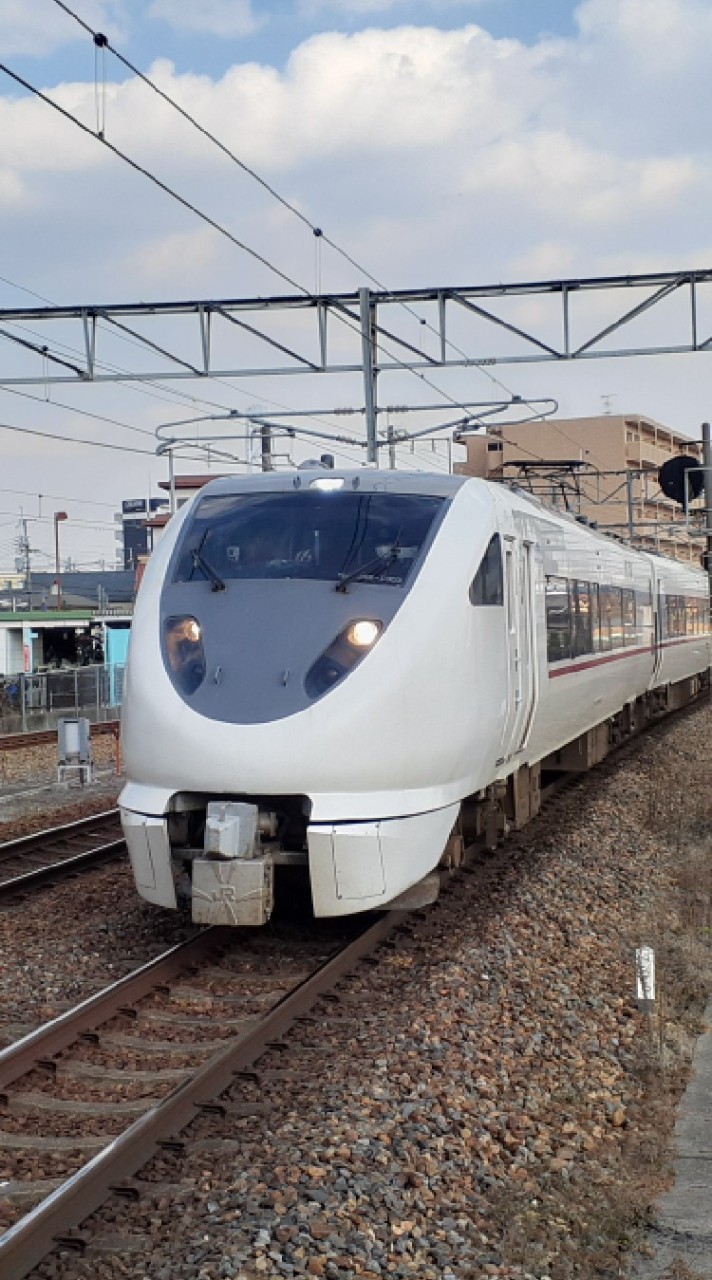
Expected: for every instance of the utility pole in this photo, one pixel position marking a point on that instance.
(707, 473)
(25, 551)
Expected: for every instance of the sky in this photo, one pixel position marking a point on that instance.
(450, 142)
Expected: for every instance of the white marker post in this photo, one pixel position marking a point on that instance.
(645, 978)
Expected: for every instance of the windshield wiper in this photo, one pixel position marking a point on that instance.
(199, 562)
(373, 568)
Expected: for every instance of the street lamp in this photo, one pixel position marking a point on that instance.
(58, 515)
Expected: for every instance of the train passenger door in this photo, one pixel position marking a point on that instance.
(657, 600)
(521, 665)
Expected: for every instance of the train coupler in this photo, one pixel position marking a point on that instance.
(234, 883)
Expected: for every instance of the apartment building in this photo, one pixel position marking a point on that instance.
(604, 468)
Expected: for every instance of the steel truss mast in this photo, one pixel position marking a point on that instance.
(363, 331)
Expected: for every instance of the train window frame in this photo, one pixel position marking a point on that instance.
(558, 649)
(613, 596)
(581, 618)
(628, 618)
(487, 586)
(259, 535)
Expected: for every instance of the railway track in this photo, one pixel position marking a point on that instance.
(46, 856)
(20, 741)
(89, 1069)
(156, 1047)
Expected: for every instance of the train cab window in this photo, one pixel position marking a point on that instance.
(558, 619)
(331, 536)
(582, 638)
(488, 584)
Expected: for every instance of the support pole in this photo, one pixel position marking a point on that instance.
(391, 448)
(266, 448)
(369, 372)
(707, 464)
(629, 498)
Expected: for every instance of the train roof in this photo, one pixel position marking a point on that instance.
(430, 483)
(365, 479)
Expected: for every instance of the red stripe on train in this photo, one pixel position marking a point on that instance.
(625, 653)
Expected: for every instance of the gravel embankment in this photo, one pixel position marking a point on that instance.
(31, 798)
(488, 1101)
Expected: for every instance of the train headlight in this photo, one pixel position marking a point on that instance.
(184, 651)
(363, 634)
(343, 654)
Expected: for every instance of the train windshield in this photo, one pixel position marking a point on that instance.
(365, 537)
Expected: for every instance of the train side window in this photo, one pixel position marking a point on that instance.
(628, 608)
(582, 620)
(595, 616)
(606, 630)
(487, 586)
(643, 617)
(672, 616)
(615, 597)
(558, 620)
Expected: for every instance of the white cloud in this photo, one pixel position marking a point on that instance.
(21, 33)
(228, 18)
(548, 260)
(356, 7)
(157, 260)
(11, 188)
(434, 157)
(662, 35)
(569, 181)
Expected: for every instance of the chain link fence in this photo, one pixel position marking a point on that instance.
(29, 703)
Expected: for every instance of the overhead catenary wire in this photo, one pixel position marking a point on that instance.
(58, 497)
(102, 42)
(152, 177)
(342, 314)
(143, 387)
(317, 231)
(94, 444)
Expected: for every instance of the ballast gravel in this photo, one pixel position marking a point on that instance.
(487, 1100)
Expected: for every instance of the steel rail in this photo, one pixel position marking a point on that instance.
(19, 741)
(39, 1045)
(35, 1235)
(22, 843)
(58, 870)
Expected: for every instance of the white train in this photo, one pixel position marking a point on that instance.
(344, 669)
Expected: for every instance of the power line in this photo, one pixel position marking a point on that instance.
(84, 413)
(139, 168)
(142, 388)
(58, 497)
(345, 316)
(93, 444)
(101, 41)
